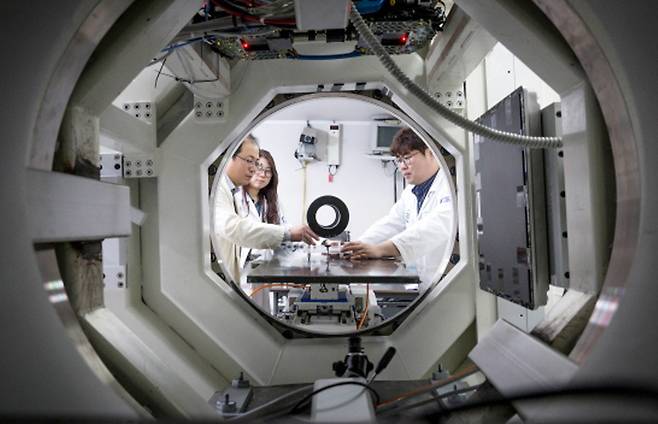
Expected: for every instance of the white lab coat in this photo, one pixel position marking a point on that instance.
(234, 231)
(424, 237)
(247, 207)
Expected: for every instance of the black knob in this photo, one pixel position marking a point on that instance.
(339, 368)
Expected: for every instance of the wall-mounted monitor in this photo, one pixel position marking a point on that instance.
(382, 135)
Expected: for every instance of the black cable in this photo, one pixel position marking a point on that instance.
(395, 184)
(305, 399)
(160, 71)
(434, 398)
(625, 391)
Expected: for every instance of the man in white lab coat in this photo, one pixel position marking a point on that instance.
(235, 230)
(418, 228)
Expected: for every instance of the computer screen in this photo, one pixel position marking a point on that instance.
(385, 134)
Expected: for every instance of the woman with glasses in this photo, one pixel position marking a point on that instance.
(260, 201)
(261, 192)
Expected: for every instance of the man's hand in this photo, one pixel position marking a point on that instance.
(303, 233)
(360, 250)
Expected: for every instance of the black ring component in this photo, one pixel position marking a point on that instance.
(336, 227)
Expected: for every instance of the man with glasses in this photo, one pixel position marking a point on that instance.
(234, 231)
(418, 227)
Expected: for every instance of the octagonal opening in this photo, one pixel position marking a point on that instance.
(336, 144)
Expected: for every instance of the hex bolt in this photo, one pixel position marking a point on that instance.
(240, 382)
(128, 164)
(136, 106)
(147, 105)
(198, 114)
(197, 105)
(138, 163)
(126, 106)
(227, 406)
(149, 162)
(138, 173)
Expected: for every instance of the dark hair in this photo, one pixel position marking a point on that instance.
(269, 194)
(405, 141)
(250, 138)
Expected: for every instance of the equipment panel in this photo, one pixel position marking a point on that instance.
(511, 206)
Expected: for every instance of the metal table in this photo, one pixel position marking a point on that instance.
(297, 266)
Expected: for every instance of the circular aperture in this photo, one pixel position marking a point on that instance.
(335, 227)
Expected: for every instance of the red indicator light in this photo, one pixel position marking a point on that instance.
(245, 45)
(404, 38)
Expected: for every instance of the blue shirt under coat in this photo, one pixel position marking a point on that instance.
(420, 191)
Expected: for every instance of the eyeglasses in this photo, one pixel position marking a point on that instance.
(250, 162)
(260, 169)
(404, 159)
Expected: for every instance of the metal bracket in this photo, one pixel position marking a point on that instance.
(209, 110)
(111, 165)
(142, 165)
(241, 397)
(144, 111)
(114, 277)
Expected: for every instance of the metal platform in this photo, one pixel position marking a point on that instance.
(298, 266)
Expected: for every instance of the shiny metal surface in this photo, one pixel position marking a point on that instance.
(626, 162)
(297, 266)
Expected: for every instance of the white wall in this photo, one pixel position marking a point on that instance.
(362, 183)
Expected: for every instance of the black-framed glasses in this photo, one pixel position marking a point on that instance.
(251, 162)
(404, 159)
(260, 169)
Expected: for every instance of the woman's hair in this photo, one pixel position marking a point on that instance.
(269, 192)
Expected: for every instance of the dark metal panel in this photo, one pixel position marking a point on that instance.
(511, 207)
